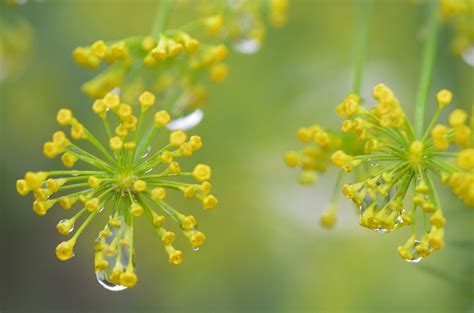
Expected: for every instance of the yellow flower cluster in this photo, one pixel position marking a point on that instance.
(172, 65)
(315, 158)
(407, 161)
(127, 180)
(459, 14)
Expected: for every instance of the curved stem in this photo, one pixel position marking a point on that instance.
(162, 14)
(365, 8)
(429, 55)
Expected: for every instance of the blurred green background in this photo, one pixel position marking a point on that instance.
(265, 250)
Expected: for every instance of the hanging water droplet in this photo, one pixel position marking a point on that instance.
(116, 252)
(468, 56)
(104, 282)
(186, 122)
(195, 248)
(66, 221)
(416, 257)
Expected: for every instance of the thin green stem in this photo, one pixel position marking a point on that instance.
(363, 19)
(162, 14)
(429, 55)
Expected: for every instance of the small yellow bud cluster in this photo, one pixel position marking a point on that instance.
(314, 157)
(387, 110)
(322, 148)
(181, 63)
(125, 179)
(349, 107)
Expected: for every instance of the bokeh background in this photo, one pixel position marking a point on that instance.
(265, 250)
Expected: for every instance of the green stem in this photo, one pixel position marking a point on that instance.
(365, 8)
(429, 55)
(162, 14)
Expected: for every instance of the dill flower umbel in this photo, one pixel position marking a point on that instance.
(173, 65)
(126, 180)
(406, 163)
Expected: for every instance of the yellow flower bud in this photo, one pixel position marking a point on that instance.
(209, 202)
(202, 172)
(158, 193)
(115, 143)
(147, 100)
(444, 97)
(162, 118)
(177, 138)
(64, 251)
(139, 185)
(64, 117)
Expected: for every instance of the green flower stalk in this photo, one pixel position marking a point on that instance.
(126, 179)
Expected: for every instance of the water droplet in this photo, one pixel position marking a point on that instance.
(195, 248)
(245, 40)
(416, 257)
(374, 163)
(65, 221)
(102, 279)
(187, 122)
(375, 224)
(468, 56)
(115, 252)
(247, 45)
(147, 151)
(149, 170)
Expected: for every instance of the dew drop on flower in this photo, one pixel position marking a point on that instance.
(101, 278)
(147, 151)
(195, 248)
(416, 257)
(115, 253)
(64, 221)
(186, 122)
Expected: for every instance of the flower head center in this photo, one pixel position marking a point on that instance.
(416, 153)
(126, 181)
